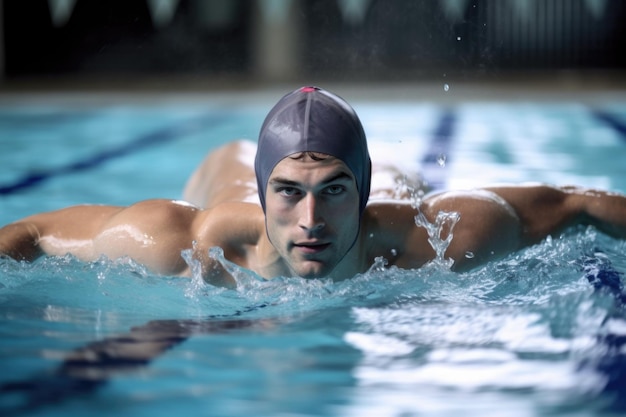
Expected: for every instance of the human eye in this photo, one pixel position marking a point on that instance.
(335, 189)
(287, 191)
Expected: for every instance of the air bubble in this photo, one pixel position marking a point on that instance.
(446, 87)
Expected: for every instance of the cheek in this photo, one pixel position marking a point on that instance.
(349, 215)
(350, 207)
(276, 221)
(278, 215)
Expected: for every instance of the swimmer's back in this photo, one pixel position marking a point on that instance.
(225, 175)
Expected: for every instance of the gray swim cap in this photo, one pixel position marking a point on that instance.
(310, 119)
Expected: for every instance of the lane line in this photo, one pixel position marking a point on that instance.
(612, 120)
(140, 143)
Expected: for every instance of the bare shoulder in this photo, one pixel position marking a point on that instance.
(478, 202)
(498, 220)
(236, 222)
(177, 225)
(237, 228)
(488, 227)
(223, 224)
(160, 211)
(401, 213)
(389, 230)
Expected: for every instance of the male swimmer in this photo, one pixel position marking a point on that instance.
(312, 216)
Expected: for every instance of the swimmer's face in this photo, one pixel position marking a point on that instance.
(312, 213)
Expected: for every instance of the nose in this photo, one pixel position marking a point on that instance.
(311, 218)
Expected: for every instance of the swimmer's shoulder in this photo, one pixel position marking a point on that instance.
(225, 218)
(380, 207)
(388, 219)
(234, 222)
(390, 212)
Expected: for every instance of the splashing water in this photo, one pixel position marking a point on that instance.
(534, 325)
(522, 329)
(443, 225)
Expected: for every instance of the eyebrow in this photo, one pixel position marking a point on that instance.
(340, 176)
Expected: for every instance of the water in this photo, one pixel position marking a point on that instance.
(537, 333)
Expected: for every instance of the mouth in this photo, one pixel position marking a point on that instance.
(311, 248)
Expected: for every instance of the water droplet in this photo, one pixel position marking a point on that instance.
(469, 254)
(446, 87)
(441, 160)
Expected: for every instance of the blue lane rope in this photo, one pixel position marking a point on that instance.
(146, 141)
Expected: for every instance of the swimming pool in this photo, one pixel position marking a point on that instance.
(539, 332)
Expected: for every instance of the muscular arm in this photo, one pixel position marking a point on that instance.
(151, 232)
(69, 230)
(545, 210)
(499, 220)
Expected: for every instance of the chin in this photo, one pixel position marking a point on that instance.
(319, 271)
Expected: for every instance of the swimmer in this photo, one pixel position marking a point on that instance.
(307, 207)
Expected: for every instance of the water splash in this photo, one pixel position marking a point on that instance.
(443, 226)
(441, 160)
(529, 323)
(197, 281)
(411, 189)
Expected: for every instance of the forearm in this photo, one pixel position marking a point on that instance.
(604, 210)
(545, 210)
(20, 241)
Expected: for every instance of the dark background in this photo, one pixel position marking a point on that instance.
(225, 40)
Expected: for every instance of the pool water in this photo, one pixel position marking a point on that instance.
(538, 333)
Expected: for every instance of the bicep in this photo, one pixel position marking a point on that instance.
(53, 233)
(71, 230)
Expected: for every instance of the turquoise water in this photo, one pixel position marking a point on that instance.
(538, 333)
